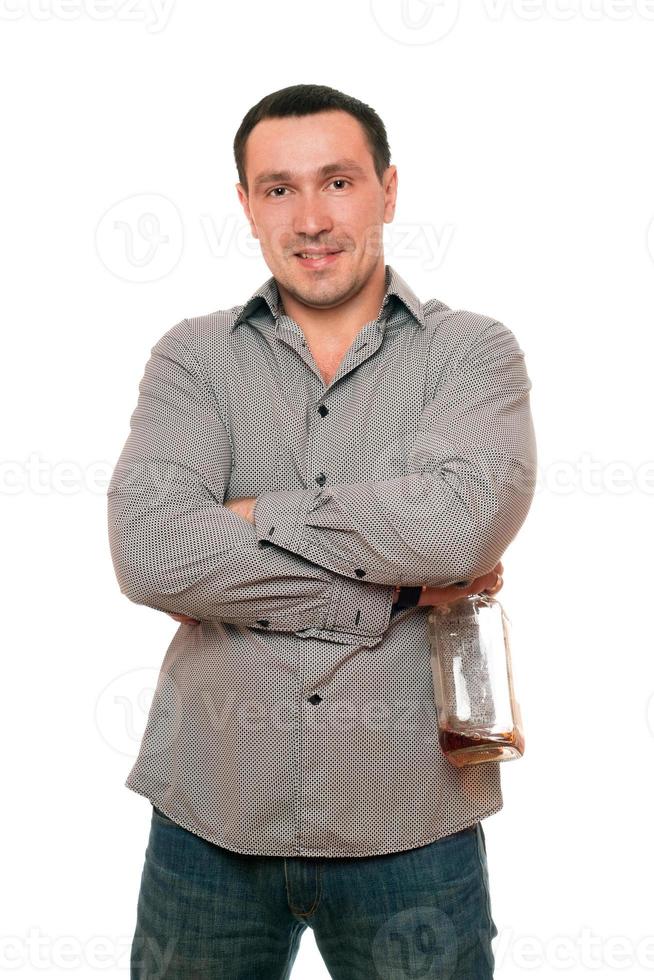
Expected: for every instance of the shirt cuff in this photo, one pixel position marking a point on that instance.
(357, 607)
(280, 516)
(362, 608)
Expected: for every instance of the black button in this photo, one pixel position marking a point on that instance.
(321, 479)
(315, 699)
(264, 622)
(359, 572)
(323, 410)
(271, 531)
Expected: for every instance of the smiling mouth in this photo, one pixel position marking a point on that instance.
(317, 260)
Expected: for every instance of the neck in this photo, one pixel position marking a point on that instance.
(341, 322)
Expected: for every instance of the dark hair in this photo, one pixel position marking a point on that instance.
(304, 100)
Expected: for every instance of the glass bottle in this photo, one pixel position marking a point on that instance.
(479, 718)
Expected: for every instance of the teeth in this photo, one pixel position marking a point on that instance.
(305, 255)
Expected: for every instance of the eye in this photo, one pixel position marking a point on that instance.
(336, 180)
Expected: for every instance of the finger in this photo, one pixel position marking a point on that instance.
(434, 596)
(495, 587)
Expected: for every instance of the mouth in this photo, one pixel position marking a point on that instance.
(317, 260)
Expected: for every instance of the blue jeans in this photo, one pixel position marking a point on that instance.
(206, 912)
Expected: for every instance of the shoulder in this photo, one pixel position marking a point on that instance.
(442, 320)
(202, 335)
(201, 346)
(460, 332)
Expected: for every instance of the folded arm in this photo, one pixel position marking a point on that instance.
(469, 484)
(175, 546)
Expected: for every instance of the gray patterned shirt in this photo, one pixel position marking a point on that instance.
(298, 717)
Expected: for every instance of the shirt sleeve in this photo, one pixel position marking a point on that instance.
(175, 546)
(469, 484)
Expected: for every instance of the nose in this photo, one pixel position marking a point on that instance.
(311, 217)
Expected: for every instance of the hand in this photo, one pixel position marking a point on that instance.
(181, 618)
(490, 583)
(243, 506)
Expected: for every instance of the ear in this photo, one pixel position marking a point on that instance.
(390, 192)
(243, 198)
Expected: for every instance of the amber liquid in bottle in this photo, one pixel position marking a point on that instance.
(463, 749)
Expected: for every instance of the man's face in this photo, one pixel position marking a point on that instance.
(294, 206)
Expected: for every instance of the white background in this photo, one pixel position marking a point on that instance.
(524, 143)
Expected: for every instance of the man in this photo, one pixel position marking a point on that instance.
(305, 476)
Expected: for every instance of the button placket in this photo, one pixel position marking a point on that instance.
(317, 447)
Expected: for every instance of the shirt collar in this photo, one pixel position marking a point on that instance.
(395, 286)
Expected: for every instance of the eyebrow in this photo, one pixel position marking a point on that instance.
(339, 166)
